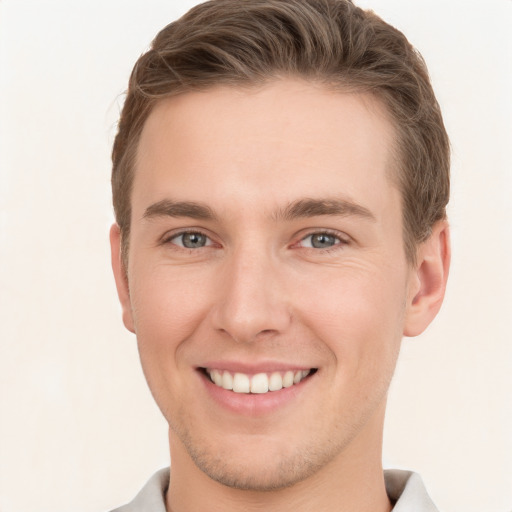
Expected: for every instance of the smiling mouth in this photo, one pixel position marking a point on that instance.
(259, 383)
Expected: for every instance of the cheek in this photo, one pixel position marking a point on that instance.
(168, 304)
(358, 314)
(167, 310)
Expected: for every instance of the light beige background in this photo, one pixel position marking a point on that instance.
(78, 428)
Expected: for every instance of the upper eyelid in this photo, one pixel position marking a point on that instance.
(331, 232)
(169, 235)
(344, 240)
(169, 239)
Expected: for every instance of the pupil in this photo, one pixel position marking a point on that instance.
(322, 241)
(194, 240)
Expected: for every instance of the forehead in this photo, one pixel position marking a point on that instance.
(273, 143)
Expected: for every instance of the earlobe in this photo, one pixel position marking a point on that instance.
(120, 277)
(429, 281)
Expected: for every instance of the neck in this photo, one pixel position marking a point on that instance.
(353, 480)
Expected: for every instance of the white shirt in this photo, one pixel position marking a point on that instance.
(404, 488)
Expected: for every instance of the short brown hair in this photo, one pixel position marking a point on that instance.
(249, 42)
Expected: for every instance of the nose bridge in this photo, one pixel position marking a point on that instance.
(252, 299)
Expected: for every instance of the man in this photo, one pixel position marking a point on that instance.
(280, 178)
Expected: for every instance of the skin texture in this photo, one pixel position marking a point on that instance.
(259, 295)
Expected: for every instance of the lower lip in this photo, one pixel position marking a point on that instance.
(254, 404)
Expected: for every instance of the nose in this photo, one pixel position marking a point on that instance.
(252, 303)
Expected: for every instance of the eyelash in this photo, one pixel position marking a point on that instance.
(341, 240)
(169, 239)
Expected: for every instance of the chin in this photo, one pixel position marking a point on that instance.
(259, 477)
(264, 466)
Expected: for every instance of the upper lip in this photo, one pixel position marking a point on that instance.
(254, 368)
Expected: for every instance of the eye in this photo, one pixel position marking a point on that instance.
(321, 241)
(190, 240)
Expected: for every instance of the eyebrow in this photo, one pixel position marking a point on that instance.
(169, 208)
(301, 208)
(308, 207)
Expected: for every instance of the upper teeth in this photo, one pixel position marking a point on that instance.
(259, 383)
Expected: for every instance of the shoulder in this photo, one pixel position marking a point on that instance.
(152, 496)
(407, 491)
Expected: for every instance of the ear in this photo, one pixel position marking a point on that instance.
(428, 280)
(121, 277)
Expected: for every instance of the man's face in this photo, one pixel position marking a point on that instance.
(266, 241)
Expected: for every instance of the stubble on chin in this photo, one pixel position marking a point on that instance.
(270, 473)
(270, 468)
